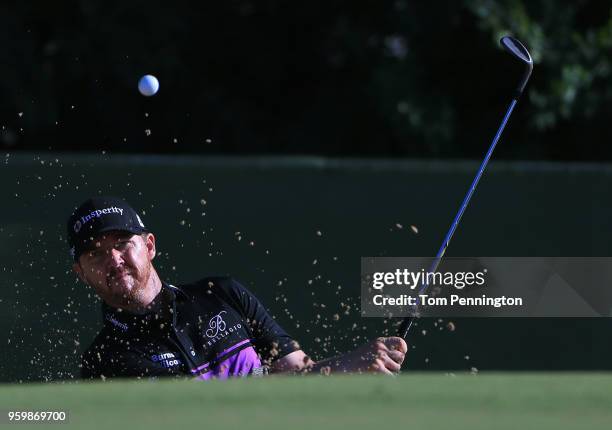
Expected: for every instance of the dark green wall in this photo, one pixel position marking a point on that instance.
(279, 204)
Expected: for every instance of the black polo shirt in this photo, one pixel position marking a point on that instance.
(214, 328)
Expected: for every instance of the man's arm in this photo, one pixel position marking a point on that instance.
(382, 355)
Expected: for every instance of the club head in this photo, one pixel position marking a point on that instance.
(516, 48)
(518, 51)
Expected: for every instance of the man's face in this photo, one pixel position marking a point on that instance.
(117, 266)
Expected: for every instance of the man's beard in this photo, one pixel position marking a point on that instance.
(131, 289)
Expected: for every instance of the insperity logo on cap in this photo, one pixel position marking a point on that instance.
(95, 214)
(98, 215)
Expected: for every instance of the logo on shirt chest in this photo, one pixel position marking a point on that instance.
(216, 324)
(166, 359)
(218, 328)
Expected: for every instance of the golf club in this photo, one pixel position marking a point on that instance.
(518, 51)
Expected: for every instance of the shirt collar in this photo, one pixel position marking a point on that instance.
(158, 313)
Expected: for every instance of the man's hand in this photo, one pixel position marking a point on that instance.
(382, 355)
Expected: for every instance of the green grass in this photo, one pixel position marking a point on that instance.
(413, 401)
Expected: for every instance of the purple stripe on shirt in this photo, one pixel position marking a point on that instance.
(221, 354)
(241, 364)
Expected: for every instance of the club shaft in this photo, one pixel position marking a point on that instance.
(407, 322)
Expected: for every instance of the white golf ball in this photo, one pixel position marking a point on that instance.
(148, 85)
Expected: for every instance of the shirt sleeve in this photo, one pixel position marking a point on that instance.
(270, 340)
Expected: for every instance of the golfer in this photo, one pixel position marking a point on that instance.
(212, 328)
